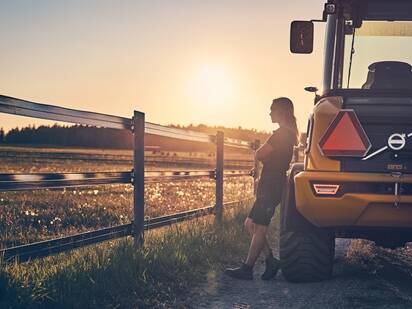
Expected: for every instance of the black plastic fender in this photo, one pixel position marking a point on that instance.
(290, 219)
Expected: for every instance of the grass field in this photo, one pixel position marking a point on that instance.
(27, 216)
(173, 261)
(114, 274)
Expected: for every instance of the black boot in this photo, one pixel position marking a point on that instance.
(272, 267)
(244, 272)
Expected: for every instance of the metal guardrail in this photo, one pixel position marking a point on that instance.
(192, 136)
(189, 175)
(45, 248)
(48, 247)
(239, 173)
(13, 182)
(20, 107)
(178, 217)
(35, 181)
(137, 176)
(231, 142)
(14, 106)
(155, 176)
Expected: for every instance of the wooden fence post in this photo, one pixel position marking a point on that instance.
(220, 140)
(295, 157)
(256, 146)
(138, 178)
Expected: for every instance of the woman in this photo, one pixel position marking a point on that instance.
(275, 154)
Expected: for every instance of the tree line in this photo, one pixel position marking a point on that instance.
(87, 136)
(69, 136)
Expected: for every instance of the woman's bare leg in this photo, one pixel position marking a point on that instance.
(258, 243)
(250, 227)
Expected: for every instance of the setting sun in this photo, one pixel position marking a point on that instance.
(212, 85)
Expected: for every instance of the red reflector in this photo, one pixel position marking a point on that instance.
(323, 189)
(345, 136)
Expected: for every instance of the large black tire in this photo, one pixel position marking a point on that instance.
(306, 251)
(306, 257)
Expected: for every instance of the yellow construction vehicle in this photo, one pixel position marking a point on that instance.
(356, 179)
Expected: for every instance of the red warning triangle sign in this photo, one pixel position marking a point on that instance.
(345, 136)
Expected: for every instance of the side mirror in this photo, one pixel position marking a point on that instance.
(314, 90)
(301, 37)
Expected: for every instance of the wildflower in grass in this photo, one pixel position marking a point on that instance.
(85, 210)
(30, 213)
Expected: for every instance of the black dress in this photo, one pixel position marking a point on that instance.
(273, 177)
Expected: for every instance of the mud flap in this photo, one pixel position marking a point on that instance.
(290, 219)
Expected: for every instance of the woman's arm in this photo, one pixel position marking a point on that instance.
(264, 152)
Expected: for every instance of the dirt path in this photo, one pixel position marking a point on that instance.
(365, 276)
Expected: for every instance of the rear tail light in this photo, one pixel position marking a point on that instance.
(345, 136)
(326, 189)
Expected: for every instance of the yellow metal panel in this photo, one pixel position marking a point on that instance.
(386, 215)
(352, 209)
(324, 112)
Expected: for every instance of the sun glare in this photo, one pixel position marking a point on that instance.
(212, 85)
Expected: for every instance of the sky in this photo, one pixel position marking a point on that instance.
(216, 62)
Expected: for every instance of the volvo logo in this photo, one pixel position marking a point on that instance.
(397, 141)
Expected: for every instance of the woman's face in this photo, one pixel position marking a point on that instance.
(274, 114)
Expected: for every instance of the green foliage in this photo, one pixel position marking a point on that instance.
(87, 136)
(77, 135)
(1, 135)
(116, 275)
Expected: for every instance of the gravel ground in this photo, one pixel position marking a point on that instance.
(365, 276)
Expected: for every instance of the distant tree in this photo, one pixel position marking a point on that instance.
(2, 135)
(87, 136)
(12, 137)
